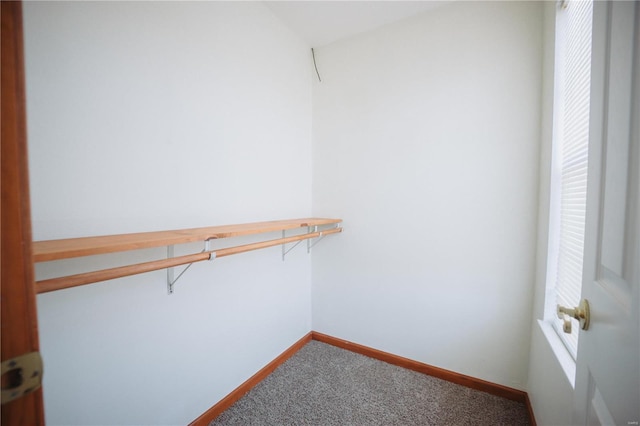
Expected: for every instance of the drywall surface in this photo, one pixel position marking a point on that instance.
(165, 115)
(426, 139)
(550, 391)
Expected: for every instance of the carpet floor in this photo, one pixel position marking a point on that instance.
(324, 385)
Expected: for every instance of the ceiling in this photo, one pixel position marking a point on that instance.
(323, 22)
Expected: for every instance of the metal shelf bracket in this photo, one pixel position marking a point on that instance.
(170, 271)
(310, 244)
(284, 249)
(320, 237)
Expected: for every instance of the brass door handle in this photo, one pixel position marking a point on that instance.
(580, 312)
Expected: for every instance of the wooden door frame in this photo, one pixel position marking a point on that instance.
(18, 298)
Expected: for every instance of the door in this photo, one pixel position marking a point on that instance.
(19, 322)
(608, 362)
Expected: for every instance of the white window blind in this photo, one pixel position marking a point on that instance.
(573, 44)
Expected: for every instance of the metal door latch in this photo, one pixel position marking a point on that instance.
(21, 376)
(581, 313)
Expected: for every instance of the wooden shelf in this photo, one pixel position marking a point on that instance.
(44, 251)
(78, 247)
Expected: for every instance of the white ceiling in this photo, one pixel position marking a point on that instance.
(323, 22)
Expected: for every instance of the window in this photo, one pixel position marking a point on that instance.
(569, 162)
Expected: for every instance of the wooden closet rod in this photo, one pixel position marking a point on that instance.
(53, 284)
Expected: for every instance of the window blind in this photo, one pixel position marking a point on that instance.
(574, 42)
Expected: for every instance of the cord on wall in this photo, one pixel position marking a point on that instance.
(315, 65)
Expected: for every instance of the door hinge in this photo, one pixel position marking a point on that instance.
(21, 376)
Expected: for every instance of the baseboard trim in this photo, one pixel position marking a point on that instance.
(450, 376)
(226, 402)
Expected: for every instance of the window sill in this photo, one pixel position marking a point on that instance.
(563, 356)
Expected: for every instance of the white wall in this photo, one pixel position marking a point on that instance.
(426, 138)
(550, 392)
(150, 116)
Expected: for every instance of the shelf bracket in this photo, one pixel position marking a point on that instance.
(284, 249)
(310, 244)
(170, 271)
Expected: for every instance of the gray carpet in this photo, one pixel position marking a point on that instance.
(324, 385)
